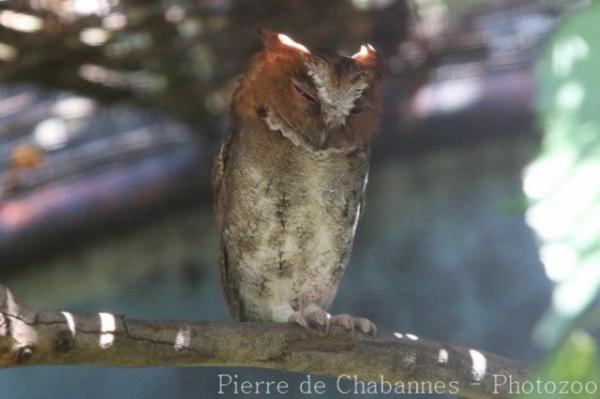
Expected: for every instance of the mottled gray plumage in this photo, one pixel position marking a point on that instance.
(289, 189)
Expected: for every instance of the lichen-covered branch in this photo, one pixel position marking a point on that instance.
(33, 337)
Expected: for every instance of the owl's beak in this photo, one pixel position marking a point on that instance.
(323, 138)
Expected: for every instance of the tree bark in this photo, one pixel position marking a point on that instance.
(33, 337)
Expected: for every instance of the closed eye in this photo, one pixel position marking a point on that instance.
(303, 91)
(356, 110)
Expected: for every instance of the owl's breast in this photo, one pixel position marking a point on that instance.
(289, 227)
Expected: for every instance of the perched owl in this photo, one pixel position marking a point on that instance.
(290, 180)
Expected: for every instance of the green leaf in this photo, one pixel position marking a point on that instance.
(572, 372)
(563, 183)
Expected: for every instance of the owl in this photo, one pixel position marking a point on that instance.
(289, 181)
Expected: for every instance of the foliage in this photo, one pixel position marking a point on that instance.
(562, 184)
(571, 372)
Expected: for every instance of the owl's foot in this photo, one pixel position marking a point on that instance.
(351, 323)
(312, 318)
(297, 318)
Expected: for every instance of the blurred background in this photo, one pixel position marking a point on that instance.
(483, 215)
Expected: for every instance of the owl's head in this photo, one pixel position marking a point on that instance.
(316, 98)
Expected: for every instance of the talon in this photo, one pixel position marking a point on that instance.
(366, 326)
(318, 318)
(373, 329)
(355, 323)
(312, 318)
(344, 320)
(297, 318)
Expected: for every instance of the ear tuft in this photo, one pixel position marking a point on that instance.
(271, 39)
(288, 41)
(367, 56)
(268, 37)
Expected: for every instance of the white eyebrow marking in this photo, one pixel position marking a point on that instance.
(108, 325)
(364, 51)
(398, 335)
(412, 337)
(70, 322)
(288, 41)
(479, 367)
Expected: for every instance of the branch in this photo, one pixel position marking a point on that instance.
(32, 337)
